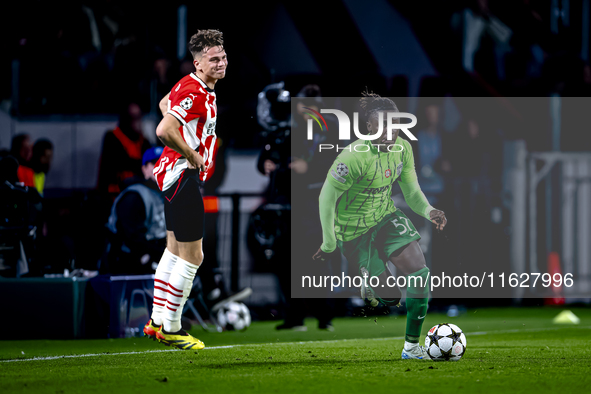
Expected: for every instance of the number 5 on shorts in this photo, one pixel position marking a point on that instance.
(404, 228)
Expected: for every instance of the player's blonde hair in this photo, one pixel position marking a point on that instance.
(203, 40)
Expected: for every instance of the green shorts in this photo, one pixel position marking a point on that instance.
(372, 249)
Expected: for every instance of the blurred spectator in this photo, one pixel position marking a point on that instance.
(472, 176)
(270, 224)
(273, 114)
(41, 162)
(136, 224)
(129, 51)
(22, 150)
(474, 162)
(477, 168)
(530, 41)
(162, 81)
(306, 151)
(20, 209)
(186, 67)
(213, 286)
(122, 151)
(432, 164)
(477, 22)
(308, 172)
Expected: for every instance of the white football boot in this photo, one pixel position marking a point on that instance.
(415, 353)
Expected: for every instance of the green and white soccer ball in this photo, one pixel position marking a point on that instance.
(234, 316)
(445, 342)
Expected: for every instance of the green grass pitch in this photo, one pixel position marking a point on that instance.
(509, 350)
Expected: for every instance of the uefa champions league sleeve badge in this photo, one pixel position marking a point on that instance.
(342, 169)
(187, 103)
(341, 172)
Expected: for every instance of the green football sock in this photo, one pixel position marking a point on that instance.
(417, 292)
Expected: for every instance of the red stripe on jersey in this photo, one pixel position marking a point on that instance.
(159, 304)
(174, 310)
(172, 303)
(196, 105)
(161, 281)
(160, 299)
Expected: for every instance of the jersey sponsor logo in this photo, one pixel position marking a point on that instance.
(376, 190)
(399, 169)
(337, 177)
(187, 103)
(209, 128)
(388, 173)
(177, 88)
(180, 111)
(342, 169)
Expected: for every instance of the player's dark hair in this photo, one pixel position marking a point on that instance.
(372, 103)
(205, 39)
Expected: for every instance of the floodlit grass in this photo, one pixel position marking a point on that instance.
(509, 350)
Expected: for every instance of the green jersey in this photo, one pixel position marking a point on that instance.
(365, 173)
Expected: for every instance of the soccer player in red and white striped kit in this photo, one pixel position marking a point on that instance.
(188, 131)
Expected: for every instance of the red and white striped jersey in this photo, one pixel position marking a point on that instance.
(193, 103)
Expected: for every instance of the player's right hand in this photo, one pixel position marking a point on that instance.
(195, 160)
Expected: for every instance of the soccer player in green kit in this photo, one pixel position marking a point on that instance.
(358, 215)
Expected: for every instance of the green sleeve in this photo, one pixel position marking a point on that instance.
(329, 196)
(409, 185)
(344, 171)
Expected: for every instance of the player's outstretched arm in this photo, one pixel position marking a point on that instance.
(328, 200)
(416, 200)
(168, 132)
(414, 196)
(164, 104)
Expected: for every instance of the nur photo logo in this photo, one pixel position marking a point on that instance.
(345, 126)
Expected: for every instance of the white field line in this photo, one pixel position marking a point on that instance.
(274, 343)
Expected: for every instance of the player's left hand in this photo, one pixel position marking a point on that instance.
(195, 161)
(438, 217)
(321, 255)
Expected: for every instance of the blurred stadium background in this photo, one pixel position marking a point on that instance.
(70, 71)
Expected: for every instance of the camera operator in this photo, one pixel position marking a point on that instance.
(289, 164)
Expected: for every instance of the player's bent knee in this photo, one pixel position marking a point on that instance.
(411, 259)
(193, 258)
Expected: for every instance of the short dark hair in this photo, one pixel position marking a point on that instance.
(205, 39)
